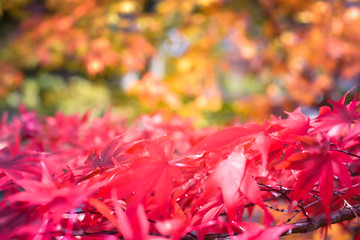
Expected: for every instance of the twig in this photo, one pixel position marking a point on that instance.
(215, 236)
(264, 187)
(337, 149)
(277, 209)
(297, 211)
(292, 217)
(346, 152)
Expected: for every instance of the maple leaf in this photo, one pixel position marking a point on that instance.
(208, 212)
(58, 197)
(14, 164)
(31, 126)
(260, 133)
(19, 220)
(96, 134)
(318, 163)
(232, 177)
(63, 133)
(155, 171)
(263, 140)
(132, 225)
(112, 154)
(340, 119)
(160, 124)
(218, 140)
(295, 124)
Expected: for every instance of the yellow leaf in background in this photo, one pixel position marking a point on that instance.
(206, 3)
(151, 91)
(126, 7)
(210, 100)
(255, 107)
(352, 14)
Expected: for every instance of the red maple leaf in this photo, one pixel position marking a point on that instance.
(59, 197)
(340, 119)
(15, 164)
(317, 163)
(233, 177)
(112, 154)
(147, 176)
(295, 124)
(260, 134)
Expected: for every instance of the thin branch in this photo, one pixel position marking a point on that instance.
(268, 188)
(337, 149)
(277, 209)
(346, 152)
(312, 203)
(297, 211)
(301, 206)
(215, 236)
(292, 217)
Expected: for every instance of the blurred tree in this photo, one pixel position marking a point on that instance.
(212, 59)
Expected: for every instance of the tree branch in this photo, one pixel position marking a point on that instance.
(304, 225)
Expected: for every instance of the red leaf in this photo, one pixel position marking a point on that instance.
(113, 153)
(339, 119)
(225, 137)
(254, 231)
(295, 124)
(58, 197)
(175, 228)
(232, 177)
(16, 164)
(318, 165)
(104, 210)
(147, 175)
(326, 188)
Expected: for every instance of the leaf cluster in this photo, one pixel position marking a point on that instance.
(161, 178)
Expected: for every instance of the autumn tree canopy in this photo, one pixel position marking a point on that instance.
(210, 59)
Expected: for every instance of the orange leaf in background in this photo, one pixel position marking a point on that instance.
(10, 78)
(100, 56)
(152, 91)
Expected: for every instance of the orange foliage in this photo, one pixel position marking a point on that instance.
(10, 78)
(152, 91)
(299, 52)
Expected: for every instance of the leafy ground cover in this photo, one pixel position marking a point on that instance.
(73, 177)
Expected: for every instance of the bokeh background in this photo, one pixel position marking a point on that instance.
(211, 60)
